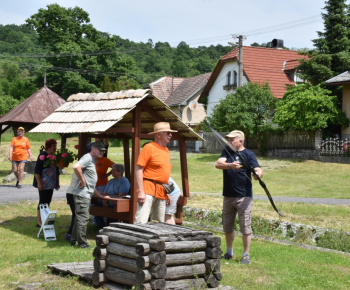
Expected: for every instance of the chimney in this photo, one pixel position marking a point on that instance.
(277, 43)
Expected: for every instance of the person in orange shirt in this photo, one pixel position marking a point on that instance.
(152, 169)
(19, 149)
(102, 166)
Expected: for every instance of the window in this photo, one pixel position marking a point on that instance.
(228, 82)
(235, 78)
(229, 85)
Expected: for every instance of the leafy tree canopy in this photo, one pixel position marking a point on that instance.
(308, 107)
(249, 109)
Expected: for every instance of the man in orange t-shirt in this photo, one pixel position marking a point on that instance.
(19, 149)
(152, 169)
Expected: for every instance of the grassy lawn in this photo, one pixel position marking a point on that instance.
(25, 258)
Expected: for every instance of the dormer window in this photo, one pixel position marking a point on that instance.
(229, 85)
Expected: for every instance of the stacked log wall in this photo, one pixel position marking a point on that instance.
(156, 256)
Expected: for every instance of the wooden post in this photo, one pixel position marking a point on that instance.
(82, 144)
(136, 143)
(126, 158)
(184, 175)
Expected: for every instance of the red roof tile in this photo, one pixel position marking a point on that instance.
(260, 65)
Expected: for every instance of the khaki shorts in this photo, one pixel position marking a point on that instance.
(242, 206)
(152, 206)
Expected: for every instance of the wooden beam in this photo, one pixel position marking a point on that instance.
(126, 158)
(82, 144)
(151, 111)
(120, 130)
(136, 144)
(184, 178)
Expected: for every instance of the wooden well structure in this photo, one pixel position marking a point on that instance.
(126, 115)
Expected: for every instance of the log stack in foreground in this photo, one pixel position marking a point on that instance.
(156, 256)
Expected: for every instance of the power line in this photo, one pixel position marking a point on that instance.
(273, 28)
(269, 29)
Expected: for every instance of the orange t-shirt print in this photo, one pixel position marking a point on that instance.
(155, 160)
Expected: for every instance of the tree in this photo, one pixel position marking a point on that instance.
(307, 107)
(74, 83)
(249, 109)
(78, 48)
(331, 56)
(107, 85)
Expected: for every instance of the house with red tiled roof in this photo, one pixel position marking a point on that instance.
(181, 95)
(273, 65)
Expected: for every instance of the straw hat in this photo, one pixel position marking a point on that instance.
(162, 127)
(236, 133)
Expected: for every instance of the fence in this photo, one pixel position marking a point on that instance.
(288, 145)
(296, 144)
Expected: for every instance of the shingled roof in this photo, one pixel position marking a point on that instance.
(34, 109)
(102, 112)
(173, 91)
(342, 79)
(260, 65)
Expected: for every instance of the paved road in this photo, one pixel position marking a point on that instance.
(10, 193)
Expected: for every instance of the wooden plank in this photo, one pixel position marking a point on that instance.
(120, 276)
(185, 246)
(112, 228)
(185, 258)
(127, 240)
(122, 250)
(183, 272)
(186, 284)
(122, 262)
(84, 270)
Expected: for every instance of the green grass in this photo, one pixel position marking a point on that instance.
(24, 258)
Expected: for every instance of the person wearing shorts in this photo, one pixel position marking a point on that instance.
(19, 149)
(171, 208)
(237, 192)
(152, 170)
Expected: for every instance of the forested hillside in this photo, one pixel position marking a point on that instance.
(78, 58)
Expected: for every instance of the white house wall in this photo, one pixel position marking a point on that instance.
(217, 91)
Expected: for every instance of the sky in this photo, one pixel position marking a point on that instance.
(197, 22)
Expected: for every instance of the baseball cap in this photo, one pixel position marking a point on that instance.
(20, 128)
(236, 133)
(99, 145)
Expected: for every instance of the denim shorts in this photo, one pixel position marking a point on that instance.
(18, 162)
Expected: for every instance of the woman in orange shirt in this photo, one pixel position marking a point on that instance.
(18, 154)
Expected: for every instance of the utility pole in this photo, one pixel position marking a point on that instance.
(240, 58)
